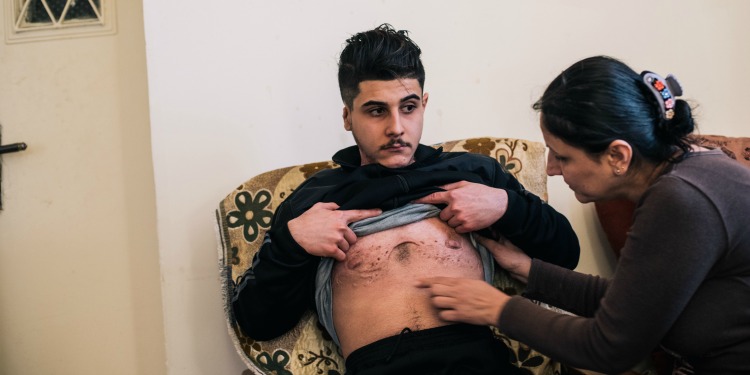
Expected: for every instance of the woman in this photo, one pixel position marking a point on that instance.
(683, 279)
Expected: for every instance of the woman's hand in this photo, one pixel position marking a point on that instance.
(465, 300)
(508, 256)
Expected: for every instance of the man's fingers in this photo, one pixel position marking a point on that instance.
(454, 185)
(442, 196)
(339, 255)
(357, 215)
(342, 244)
(327, 205)
(350, 237)
(439, 197)
(446, 214)
(462, 229)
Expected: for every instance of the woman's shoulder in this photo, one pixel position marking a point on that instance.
(708, 176)
(709, 164)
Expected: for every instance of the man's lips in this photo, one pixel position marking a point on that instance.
(395, 146)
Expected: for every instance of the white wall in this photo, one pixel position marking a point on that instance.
(242, 87)
(79, 272)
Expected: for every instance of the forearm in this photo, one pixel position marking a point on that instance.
(539, 230)
(571, 291)
(573, 340)
(273, 294)
(270, 299)
(588, 337)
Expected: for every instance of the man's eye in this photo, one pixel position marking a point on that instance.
(409, 108)
(376, 111)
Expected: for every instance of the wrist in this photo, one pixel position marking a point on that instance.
(502, 301)
(521, 273)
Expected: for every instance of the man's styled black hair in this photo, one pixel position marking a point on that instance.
(380, 54)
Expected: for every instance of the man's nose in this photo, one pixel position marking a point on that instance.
(395, 126)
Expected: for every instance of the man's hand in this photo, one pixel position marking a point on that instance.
(470, 206)
(465, 300)
(324, 231)
(508, 256)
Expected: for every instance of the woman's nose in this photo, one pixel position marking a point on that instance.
(553, 165)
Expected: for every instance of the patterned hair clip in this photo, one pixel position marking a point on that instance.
(665, 90)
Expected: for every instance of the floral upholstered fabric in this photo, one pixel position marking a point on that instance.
(245, 214)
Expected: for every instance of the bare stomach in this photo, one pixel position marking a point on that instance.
(374, 293)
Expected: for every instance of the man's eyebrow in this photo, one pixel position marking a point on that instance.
(373, 103)
(379, 103)
(410, 97)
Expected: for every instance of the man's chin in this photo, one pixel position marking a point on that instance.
(396, 162)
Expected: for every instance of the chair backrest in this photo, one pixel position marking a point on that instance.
(244, 216)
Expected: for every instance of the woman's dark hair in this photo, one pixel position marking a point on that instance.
(600, 99)
(381, 54)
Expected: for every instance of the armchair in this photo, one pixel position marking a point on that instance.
(244, 215)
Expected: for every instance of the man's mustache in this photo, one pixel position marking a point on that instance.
(395, 142)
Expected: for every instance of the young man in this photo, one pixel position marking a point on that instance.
(352, 242)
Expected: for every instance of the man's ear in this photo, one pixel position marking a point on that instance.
(619, 155)
(347, 116)
(425, 96)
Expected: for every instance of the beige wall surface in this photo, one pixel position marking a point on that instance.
(79, 270)
(247, 86)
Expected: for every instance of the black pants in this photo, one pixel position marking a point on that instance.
(450, 350)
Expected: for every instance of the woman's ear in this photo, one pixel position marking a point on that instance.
(619, 155)
(347, 116)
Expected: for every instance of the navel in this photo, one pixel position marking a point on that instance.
(402, 251)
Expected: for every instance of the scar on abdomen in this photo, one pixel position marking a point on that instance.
(452, 244)
(353, 263)
(403, 249)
